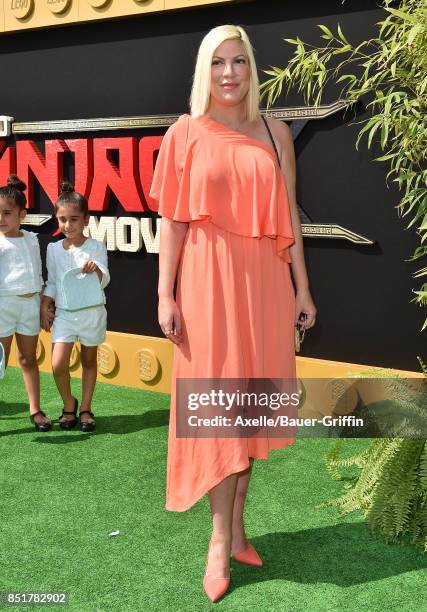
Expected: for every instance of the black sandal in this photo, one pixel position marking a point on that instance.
(87, 425)
(45, 426)
(69, 423)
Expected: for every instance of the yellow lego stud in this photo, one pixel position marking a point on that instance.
(98, 3)
(107, 359)
(21, 8)
(58, 6)
(147, 365)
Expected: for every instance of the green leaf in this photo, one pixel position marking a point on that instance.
(372, 132)
(413, 32)
(343, 49)
(420, 273)
(423, 86)
(351, 77)
(384, 134)
(341, 35)
(402, 15)
(385, 157)
(327, 32)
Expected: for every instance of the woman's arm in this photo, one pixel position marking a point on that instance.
(172, 235)
(283, 135)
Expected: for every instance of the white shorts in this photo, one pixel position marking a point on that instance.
(88, 326)
(20, 315)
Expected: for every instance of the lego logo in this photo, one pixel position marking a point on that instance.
(58, 6)
(21, 8)
(98, 3)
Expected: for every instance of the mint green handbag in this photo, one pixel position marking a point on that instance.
(81, 290)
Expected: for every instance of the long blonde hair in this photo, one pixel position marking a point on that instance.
(201, 90)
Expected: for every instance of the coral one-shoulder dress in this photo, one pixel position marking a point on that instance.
(234, 289)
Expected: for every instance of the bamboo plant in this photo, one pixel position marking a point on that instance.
(389, 73)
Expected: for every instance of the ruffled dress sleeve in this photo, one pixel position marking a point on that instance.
(166, 187)
(208, 172)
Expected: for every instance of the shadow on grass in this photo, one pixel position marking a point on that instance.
(129, 423)
(120, 424)
(7, 409)
(344, 555)
(67, 438)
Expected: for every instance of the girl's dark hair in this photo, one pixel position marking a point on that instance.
(69, 196)
(14, 190)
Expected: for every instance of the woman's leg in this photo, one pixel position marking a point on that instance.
(221, 500)
(239, 541)
(90, 369)
(61, 352)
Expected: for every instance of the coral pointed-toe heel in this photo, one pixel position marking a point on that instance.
(215, 587)
(249, 556)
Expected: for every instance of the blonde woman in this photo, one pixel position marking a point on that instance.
(230, 233)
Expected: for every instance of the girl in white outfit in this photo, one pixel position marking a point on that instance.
(20, 286)
(88, 324)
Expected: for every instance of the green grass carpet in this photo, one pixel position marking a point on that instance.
(63, 493)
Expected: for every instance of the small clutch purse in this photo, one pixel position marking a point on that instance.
(299, 337)
(80, 290)
(2, 360)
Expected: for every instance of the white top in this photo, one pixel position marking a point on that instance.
(20, 265)
(60, 260)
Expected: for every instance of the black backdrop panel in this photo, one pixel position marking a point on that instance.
(144, 66)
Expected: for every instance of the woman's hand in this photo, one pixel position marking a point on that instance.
(304, 305)
(170, 320)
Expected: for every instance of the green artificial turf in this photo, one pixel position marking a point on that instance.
(63, 493)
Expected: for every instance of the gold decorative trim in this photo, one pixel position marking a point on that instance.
(309, 230)
(306, 112)
(36, 220)
(153, 121)
(91, 125)
(332, 230)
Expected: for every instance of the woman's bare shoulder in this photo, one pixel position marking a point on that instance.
(280, 130)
